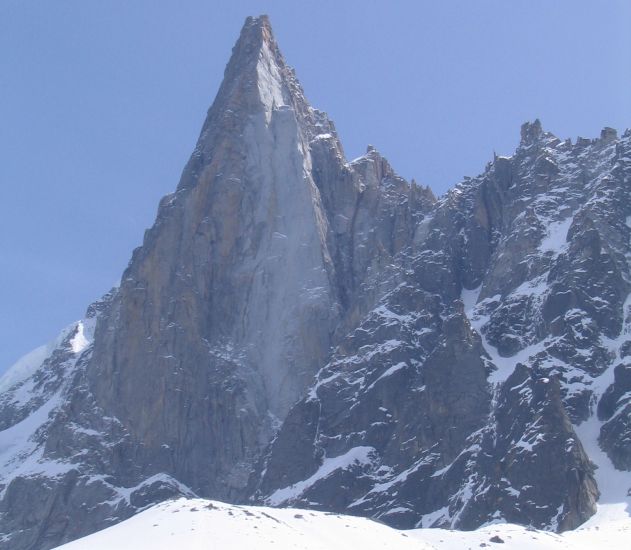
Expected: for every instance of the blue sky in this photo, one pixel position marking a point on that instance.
(101, 103)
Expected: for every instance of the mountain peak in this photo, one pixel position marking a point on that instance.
(256, 33)
(256, 73)
(531, 132)
(259, 25)
(256, 82)
(259, 21)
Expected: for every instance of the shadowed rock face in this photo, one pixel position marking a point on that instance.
(452, 402)
(300, 329)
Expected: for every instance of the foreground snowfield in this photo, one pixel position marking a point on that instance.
(197, 524)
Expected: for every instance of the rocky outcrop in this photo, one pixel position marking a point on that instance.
(222, 318)
(537, 249)
(615, 409)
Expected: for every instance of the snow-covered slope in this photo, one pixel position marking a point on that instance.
(30, 391)
(198, 524)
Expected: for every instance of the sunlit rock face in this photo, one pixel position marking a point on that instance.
(301, 329)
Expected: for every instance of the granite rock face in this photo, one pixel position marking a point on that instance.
(300, 329)
(453, 403)
(615, 409)
(222, 318)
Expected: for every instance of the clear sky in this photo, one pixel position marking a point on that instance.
(101, 103)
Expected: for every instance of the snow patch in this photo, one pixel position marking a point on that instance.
(388, 372)
(19, 453)
(27, 365)
(357, 456)
(505, 365)
(83, 336)
(555, 240)
(614, 504)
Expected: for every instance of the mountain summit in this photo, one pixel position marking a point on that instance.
(300, 329)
